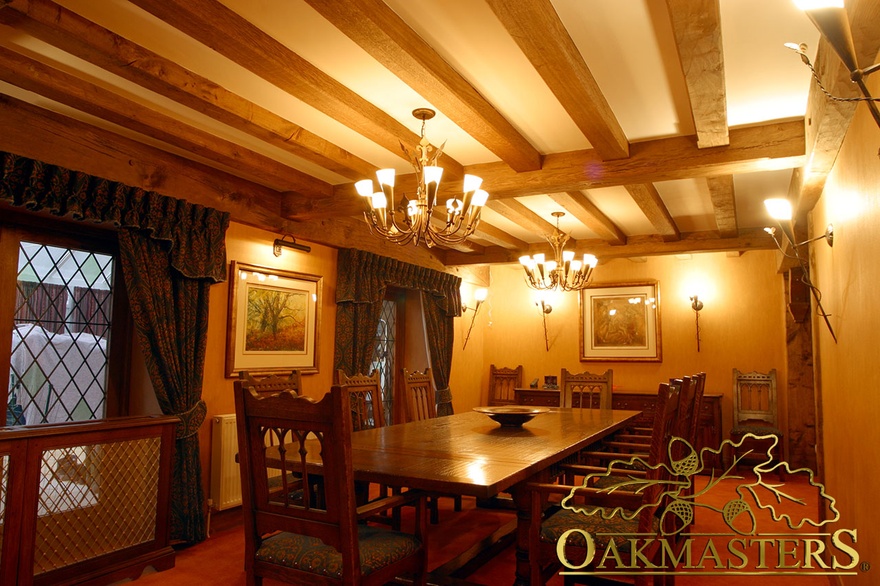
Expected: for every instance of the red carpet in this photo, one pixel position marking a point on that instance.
(219, 560)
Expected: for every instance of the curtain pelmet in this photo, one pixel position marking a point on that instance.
(362, 278)
(196, 234)
(170, 251)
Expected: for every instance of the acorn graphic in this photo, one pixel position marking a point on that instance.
(733, 510)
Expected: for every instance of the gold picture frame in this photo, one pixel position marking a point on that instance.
(620, 322)
(274, 320)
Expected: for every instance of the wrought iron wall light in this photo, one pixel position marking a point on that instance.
(829, 16)
(279, 242)
(409, 220)
(479, 297)
(545, 309)
(697, 306)
(780, 210)
(563, 272)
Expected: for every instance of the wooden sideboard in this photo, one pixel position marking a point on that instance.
(710, 411)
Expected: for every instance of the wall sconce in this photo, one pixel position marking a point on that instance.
(479, 296)
(780, 210)
(697, 306)
(279, 242)
(829, 16)
(545, 309)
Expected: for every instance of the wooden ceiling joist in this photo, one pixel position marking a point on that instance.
(62, 28)
(521, 215)
(649, 201)
(636, 246)
(775, 145)
(543, 38)
(227, 33)
(696, 25)
(721, 191)
(577, 204)
(374, 26)
(94, 100)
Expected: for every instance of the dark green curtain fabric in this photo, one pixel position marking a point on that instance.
(196, 234)
(171, 252)
(171, 318)
(361, 281)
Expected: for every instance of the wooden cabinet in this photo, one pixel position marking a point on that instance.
(710, 410)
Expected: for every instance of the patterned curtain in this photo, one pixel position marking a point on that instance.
(171, 252)
(361, 280)
(171, 318)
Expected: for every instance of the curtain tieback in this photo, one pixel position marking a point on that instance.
(444, 395)
(191, 420)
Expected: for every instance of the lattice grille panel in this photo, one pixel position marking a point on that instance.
(94, 500)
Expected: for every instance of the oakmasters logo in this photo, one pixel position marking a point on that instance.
(657, 536)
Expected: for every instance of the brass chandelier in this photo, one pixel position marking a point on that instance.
(563, 272)
(410, 220)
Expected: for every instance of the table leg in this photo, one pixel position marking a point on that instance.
(522, 500)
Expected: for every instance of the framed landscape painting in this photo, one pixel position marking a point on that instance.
(274, 320)
(620, 323)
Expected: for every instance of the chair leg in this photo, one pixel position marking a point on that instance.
(457, 505)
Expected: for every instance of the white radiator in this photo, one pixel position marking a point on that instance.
(225, 476)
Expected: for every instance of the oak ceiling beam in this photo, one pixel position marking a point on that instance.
(721, 191)
(378, 30)
(87, 97)
(73, 34)
(26, 129)
(636, 246)
(498, 236)
(696, 25)
(522, 216)
(828, 120)
(220, 28)
(540, 34)
(649, 201)
(765, 147)
(577, 204)
(774, 145)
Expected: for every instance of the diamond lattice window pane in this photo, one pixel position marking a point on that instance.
(383, 355)
(60, 339)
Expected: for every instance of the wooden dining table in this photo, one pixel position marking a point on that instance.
(470, 454)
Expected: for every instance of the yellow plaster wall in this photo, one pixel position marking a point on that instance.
(254, 246)
(742, 325)
(847, 275)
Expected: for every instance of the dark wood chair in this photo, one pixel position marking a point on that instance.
(502, 382)
(365, 396)
(273, 383)
(754, 411)
(310, 532)
(421, 399)
(578, 389)
(642, 514)
(421, 403)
